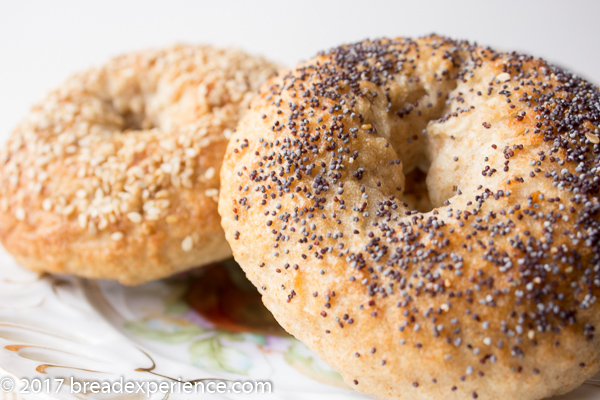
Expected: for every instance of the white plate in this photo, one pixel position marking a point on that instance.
(55, 328)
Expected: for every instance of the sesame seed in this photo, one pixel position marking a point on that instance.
(134, 217)
(503, 77)
(214, 193)
(210, 173)
(20, 214)
(592, 138)
(47, 205)
(187, 244)
(82, 220)
(116, 236)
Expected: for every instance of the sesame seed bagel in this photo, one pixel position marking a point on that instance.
(488, 292)
(116, 173)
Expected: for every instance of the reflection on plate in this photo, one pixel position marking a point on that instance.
(84, 331)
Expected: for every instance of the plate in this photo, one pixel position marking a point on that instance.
(58, 335)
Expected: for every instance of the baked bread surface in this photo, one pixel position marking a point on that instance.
(115, 174)
(490, 294)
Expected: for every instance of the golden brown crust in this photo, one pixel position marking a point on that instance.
(492, 294)
(116, 173)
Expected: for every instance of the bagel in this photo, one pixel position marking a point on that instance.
(115, 174)
(489, 293)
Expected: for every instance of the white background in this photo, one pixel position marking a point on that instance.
(43, 42)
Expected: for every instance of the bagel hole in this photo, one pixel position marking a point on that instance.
(136, 122)
(416, 195)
